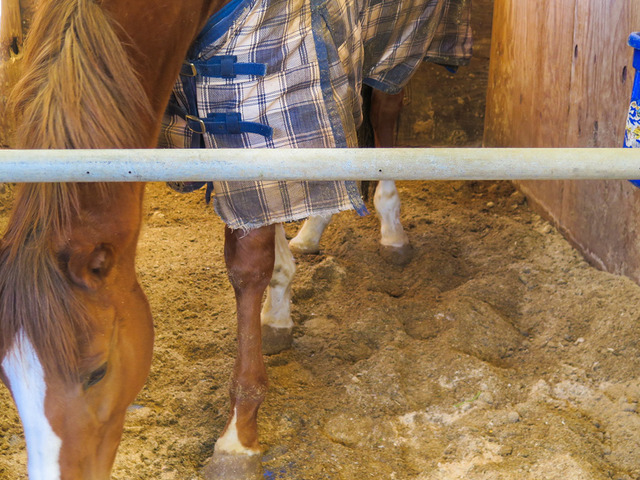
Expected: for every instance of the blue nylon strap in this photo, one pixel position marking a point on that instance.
(222, 66)
(634, 41)
(218, 25)
(630, 138)
(226, 123)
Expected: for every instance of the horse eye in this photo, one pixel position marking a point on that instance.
(95, 376)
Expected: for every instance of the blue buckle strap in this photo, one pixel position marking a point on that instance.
(222, 66)
(226, 123)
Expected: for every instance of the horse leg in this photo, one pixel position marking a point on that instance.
(249, 258)
(277, 326)
(394, 243)
(308, 238)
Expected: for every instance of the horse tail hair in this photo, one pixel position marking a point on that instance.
(78, 89)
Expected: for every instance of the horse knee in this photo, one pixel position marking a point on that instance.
(250, 257)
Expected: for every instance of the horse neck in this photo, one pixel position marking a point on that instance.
(159, 38)
(99, 74)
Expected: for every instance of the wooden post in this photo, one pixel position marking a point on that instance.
(14, 23)
(11, 37)
(10, 29)
(561, 76)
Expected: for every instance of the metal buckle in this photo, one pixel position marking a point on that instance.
(194, 70)
(203, 128)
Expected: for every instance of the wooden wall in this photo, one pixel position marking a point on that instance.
(14, 21)
(561, 76)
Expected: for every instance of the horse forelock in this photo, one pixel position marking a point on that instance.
(78, 89)
(36, 296)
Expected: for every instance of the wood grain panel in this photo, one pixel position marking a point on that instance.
(529, 40)
(14, 23)
(601, 73)
(583, 85)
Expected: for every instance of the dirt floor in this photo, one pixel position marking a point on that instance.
(497, 353)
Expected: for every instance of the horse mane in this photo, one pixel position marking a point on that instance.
(78, 90)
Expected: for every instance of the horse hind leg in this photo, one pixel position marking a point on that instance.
(394, 242)
(308, 238)
(249, 258)
(277, 326)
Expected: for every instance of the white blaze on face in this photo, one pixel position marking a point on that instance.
(26, 379)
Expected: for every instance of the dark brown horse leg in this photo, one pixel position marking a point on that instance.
(385, 111)
(394, 243)
(249, 258)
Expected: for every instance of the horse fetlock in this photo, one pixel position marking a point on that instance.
(236, 439)
(277, 325)
(232, 459)
(276, 310)
(304, 246)
(277, 314)
(393, 236)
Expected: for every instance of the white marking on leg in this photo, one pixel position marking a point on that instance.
(387, 203)
(308, 238)
(229, 442)
(24, 372)
(276, 311)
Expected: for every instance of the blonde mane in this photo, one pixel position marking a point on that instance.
(78, 89)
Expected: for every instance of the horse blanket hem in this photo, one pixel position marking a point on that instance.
(248, 226)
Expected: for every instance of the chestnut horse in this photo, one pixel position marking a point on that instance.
(76, 332)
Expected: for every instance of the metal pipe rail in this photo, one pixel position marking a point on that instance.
(318, 164)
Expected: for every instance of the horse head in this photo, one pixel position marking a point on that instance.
(75, 328)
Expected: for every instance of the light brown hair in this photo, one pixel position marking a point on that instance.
(78, 90)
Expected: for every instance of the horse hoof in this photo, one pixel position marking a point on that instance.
(397, 255)
(305, 249)
(275, 340)
(229, 466)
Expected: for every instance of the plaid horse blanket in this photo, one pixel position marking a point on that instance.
(288, 74)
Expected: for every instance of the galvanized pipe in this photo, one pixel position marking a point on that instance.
(318, 164)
